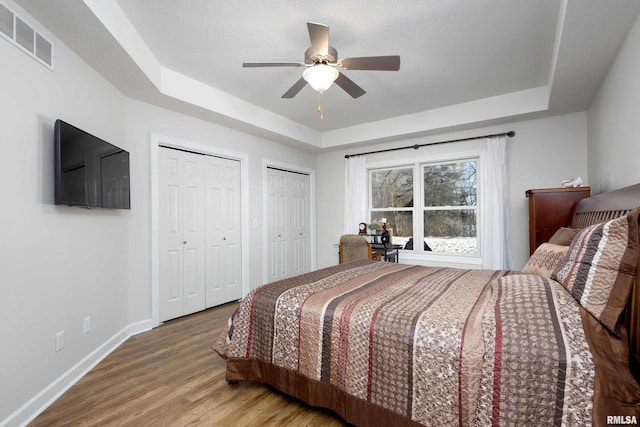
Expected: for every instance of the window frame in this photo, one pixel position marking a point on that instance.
(371, 209)
(418, 254)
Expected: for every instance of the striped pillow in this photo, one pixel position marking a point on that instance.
(600, 267)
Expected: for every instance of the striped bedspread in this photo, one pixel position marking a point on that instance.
(438, 346)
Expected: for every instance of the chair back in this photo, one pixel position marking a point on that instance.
(354, 247)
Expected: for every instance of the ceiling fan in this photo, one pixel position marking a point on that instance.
(322, 65)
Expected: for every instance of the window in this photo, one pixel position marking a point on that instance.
(392, 199)
(440, 211)
(450, 205)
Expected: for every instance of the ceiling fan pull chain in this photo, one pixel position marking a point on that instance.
(320, 108)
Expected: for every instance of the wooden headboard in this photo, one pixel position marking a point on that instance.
(603, 207)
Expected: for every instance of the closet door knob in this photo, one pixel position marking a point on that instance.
(184, 242)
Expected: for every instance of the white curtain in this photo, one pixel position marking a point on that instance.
(355, 193)
(494, 214)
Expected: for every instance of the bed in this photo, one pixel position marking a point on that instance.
(394, 344)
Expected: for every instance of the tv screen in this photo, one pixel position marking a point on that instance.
(89, 172)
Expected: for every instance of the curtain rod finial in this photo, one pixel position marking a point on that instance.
(511, 134)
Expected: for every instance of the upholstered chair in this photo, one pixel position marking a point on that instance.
(354, 247)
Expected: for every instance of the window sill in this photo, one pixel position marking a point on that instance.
(430, 260)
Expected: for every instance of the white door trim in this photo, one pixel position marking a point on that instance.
(266, 163)
(156, 141)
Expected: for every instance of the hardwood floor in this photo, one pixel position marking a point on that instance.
(169, 376)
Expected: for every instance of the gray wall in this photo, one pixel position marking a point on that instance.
(143, 119)
(60, 264)
(614, 127)
(543, 153)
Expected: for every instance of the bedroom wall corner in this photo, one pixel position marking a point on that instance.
(543, 153)
(613, 125)
(145, 119)
(59, 264)
(330, 205)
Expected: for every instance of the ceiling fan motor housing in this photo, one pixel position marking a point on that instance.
(310, 57)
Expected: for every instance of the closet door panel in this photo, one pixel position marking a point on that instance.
(171, 246)
(288, 218)
(224, 237)
(182, 233)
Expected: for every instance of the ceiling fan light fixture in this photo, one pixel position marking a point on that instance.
(320, 76)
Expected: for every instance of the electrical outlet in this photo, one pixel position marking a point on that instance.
(86, 325)
(59, 340)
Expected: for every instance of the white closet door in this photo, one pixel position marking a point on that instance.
(276, 225)
(299, 233)
(288, 219)
(182, 233)
(223, 238)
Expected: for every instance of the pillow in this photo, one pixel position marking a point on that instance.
(564, 236)
(545, 259)
(600, 267)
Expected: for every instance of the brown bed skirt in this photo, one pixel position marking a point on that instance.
(315, 393)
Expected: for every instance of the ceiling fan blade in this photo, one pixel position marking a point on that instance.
(349, 86)
(297, 87)
(319, 35)
(271, 64)
(382, 63)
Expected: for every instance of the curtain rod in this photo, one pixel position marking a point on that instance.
(510, 134)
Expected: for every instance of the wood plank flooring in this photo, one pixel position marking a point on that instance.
(169, 376)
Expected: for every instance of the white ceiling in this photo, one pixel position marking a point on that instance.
(463, 63)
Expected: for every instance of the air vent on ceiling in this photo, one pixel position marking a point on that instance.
(22, 35)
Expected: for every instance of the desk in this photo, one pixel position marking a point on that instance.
(374, 239)
(389, 251)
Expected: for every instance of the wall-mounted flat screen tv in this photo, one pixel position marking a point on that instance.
(89, 172)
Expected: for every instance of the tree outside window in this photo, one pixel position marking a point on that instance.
(450, 205)
(447, 205)
(392, 198)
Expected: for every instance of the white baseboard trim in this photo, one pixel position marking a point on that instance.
(41, 401)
